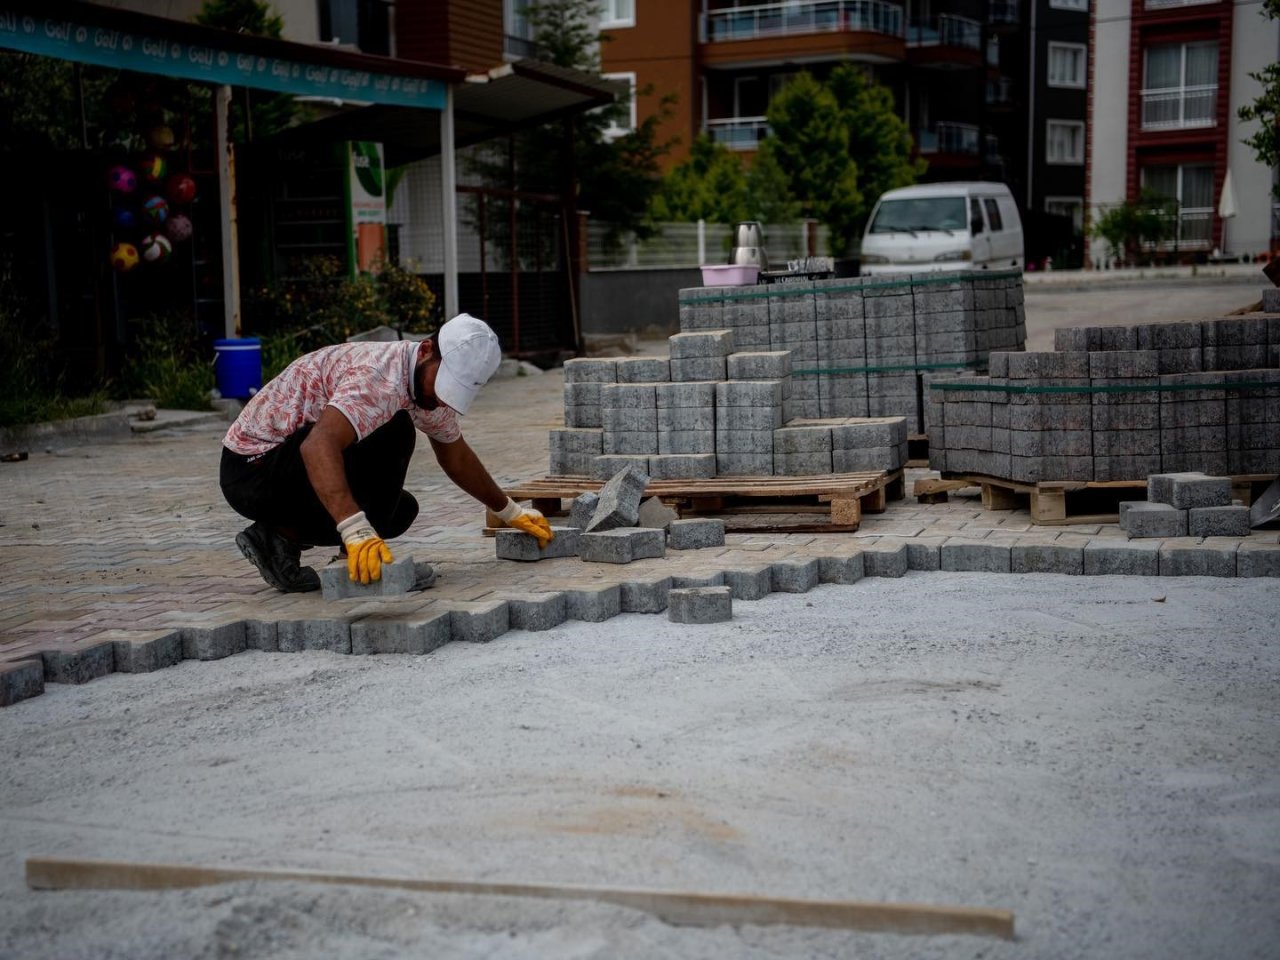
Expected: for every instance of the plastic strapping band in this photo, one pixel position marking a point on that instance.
(779, 290)
(1105, 388)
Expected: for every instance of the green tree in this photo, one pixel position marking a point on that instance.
(711, 185)
(879, 141)
(809, 142)
(256, 114)
(1135, 224)
(1266, 107)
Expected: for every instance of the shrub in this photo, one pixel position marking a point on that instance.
(169, 363)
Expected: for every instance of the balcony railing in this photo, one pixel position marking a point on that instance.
(946, 30)
(1004, 11)
(1180, 108)
(1192, 229)
(805, 16)
(1161, 4)
(1000, 92)
(738, 133)
(945, 137)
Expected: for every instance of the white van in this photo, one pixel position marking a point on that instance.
(943, 226)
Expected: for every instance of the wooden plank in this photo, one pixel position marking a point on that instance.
(675, 907)
(1048, 505)
(846, 512)
(997, 497)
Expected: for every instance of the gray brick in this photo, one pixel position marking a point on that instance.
(698, 368)
(583, 416)
(643, 370)
(696, 395)
(261, 635)
(620, 498)
(1035, 366)
(1258, 559)
(976, 556)
(591, 370)
(479, 622)
(583, 509)
(582, 395)
(802, 464)
(656, 514)
(695, 533)
(1190, 492)
(922, 555)
(630, 443)
(885, 559)
(700, 605)
(699, 466)
(685, 581)
(749, 393)
(1154, 520)
(848, 460)
(756, 442)
(577, 441)
(1110, 556)
(1046, 558)
(397, 579)
(796, 576)
(294, 636)
(760, 365)
(621, 545)
(1160, 486)
(415, 633)
(213, 643)
(593, 604)
(750, 583)
(1189, 558)
(518, 545)
(802, 439)
(644, 596)
(1232, 521)
(744, 464)
(143, 652)
(703, 343)
(20, 680)
(628, 396)
(842, 570)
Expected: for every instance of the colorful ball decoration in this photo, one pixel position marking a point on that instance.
(154, 167)
(179, 228)
(161, 137)
(156, 209)
(121, 179)
(124, 257)
(125, 219)
(156, 248)
(182, 189)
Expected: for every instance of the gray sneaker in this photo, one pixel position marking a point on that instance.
(277, 559)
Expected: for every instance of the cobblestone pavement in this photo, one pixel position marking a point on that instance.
(123, 540)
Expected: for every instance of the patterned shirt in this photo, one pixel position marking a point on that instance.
(368, 383)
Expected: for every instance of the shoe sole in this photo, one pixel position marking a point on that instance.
(250, 551)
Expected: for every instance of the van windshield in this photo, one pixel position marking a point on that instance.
(921, 213)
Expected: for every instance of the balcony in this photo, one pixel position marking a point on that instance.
(738, 133)
(946, 30)
(801, 18)
(1180, 108)
(1001, 93)
(958, 139)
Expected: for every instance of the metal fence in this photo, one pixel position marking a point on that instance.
(695, 244)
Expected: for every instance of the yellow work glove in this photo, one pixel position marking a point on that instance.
(366, 551)
(530, 521)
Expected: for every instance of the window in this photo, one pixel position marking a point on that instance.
(623, 114)
(1070, 5)
(1180, 85)
(975, 216)
(1191, 185)
(1064, 141)
(618, 13)
(1067, 65)
(1072, 207)
(365, 24)
(993, 213)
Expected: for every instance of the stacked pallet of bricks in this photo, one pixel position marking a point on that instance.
(1118, 404)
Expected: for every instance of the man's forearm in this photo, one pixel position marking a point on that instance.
(328, 475)
(463, 467)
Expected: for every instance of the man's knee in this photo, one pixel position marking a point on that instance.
(400, 519)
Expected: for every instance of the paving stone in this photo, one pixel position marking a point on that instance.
(655, 514)
(619, 504)
(688, 581)
(20, 680)
(591, 370)
(1255, 558)
(796, 576)
(294, 636)
(1154, 520)
(139, 651)
(261, 635)
(700, 605)
(397, 579)
(214, 642)
(700, 466)
(1160, 486)
(1200, 491)
(622, 545)
(976, 556)
(702, 343)
(414, 633)
(479, 622)
(518, 545)
(1218, 521)
(643, 370)
(644, 595)
(593, 604)
(763, 365)
(885, 559)
(536, 611)
(696, 533)
(1115, 557)
(924, 556)
(1192, 558)
(583, 509)
(842, 570)
(749, 583)
(698, 369)
(79, 661)
(1046, 558)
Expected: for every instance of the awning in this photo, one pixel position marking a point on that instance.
(123, 40)
(509, 98)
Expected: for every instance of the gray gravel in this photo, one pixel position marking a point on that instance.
(1097, 755)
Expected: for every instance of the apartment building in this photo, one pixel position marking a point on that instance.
(1166, 83)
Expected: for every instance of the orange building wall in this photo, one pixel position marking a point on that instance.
(462, 33)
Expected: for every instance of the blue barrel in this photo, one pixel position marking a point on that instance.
(237, 367)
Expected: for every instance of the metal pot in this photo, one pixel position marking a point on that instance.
(740, 256)
(748, 233)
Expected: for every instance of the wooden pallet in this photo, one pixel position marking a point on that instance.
(746, 502)
(1059, 502)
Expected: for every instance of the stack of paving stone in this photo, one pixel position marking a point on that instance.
(1118, 403)
(1185, 504)
(840, 445)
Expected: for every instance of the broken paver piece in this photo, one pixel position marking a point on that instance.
(583, 509)
(620, 498)
(656, 514)
(518, 545)
(700, 605)
(397, 578)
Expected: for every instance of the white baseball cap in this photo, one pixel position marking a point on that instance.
(469, 356)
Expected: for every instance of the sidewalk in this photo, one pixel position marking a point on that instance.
(130, 539)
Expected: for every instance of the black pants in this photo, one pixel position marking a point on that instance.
(275, 490)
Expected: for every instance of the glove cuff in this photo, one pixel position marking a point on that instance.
(509, 512)
(355, 528)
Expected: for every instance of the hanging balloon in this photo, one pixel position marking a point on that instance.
(179, 228)
(161, 137)
(154, 167)
(124, 257)
(125, 219)
(181, 189)
(121, 179)
(156, 209)
(156, 248)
